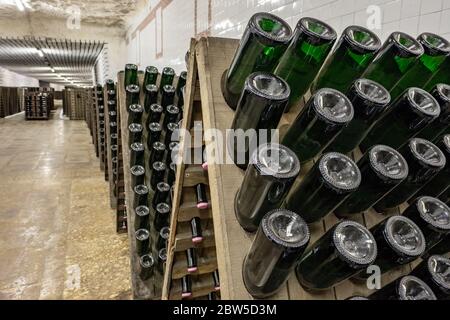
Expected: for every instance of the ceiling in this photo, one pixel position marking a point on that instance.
(104, 12)
(63, 62)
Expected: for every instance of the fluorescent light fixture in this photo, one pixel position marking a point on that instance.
(19, 5)
(40, 53)
(53, 70)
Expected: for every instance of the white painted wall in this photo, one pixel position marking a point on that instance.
(12, 79)
(229, 18)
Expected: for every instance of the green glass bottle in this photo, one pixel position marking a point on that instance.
(110, 85)
(395, 58)
(132, 95)
(382, 169)
(399, 241)
(264, 41)
(339, 254)
(181, 83)
(150, 96)
(442, 124)
(351, 56)
(131, 75)
(436, 49)
(369, 100)
(261, 106)
(168, 96)
(441, 76)
(442, 247)
(435, 271)
(310, 45)
(441, 182)
(424, 160)
(432, 216)
(405, 288)
(167, 76)
(404, 120)
(151, 75)
(324, 188)
(314, 129)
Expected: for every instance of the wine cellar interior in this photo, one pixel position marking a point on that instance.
(200, 150)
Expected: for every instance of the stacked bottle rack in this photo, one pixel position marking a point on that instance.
(37, 106)
(101, 129)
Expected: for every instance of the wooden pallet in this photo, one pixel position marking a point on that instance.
(213, 57)
(184, 206)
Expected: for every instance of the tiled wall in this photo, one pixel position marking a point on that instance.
(182, 19)
(12, 79)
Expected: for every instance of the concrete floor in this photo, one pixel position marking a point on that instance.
(57, 231)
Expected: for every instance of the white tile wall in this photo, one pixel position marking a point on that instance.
(229, 18)
(12, 79)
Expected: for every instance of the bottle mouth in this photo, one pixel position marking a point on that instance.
(137, 147)
(111, 102)
(159, 146)
(424, 102)
(155, 127)
(276, 160)
(159, 166)
(172, 126)
(135, 127)
(404, 236)
(286, 228)
(443, 91)
(333, 106)
(156, 108)
(142, 211)
(130, 66)
(388, 162)
(165, 233)
(137, 170)
(142, 234)
(174, 145)
(141, 189)
(173, 109)
(112, 113)
(340, 171)
(362, 38)
(163, 187)
(163, 208)
(113, 124)
(183, 75)
(151, 88)
(427, 152)
(439, 268)
(316, 28)
(269, 86)
(168, 71)
(147, 261)
(132, 88)
(372, 91)
(355, 243)
(434, 44)
(169, 88)
(271, 27)
(137, 108)
(434, 212)
(151, 69)
(162, 254)
(407, 44)
(412, 288)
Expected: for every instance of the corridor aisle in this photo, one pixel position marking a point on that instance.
(57, 231)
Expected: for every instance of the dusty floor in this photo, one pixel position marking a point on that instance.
(57, 231)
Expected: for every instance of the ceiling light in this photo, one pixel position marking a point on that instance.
(19, 5)
(40, 53)
(53, 70)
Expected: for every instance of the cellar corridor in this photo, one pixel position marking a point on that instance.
(57, 232)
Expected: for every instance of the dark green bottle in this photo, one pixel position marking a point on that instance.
(441, 76)
(369, 100)
(314, 129)
(382, 169)
(131, 75)
(351, 56)
(324, 188)
(141, 218)
(399, 241)
(132, 94)
(424, 160)
(162, 216)
(310, 45)
(404, 288)
(442, 124)
(167, 76)
(441, 182)
(260, 107)
(154, 134)
(154, 114)
(278, 246)
(135, 112)
(339, 254)
(404, 120)
(110, 85)
(264, 41)
(433, 218)
(395, 58)
(267, 181)
(151, 75)
(436, 49)
(442, 247)
(150, 97)
(435, 272)
(168, 95)
(146, 267)
(181, 83)
(171, 115)
(142, 242)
